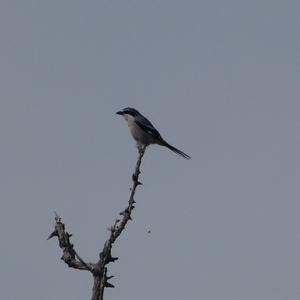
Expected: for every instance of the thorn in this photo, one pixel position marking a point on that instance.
(109, 277)
(149, 231)
(54, 233)
(113, 259)
(109, 285)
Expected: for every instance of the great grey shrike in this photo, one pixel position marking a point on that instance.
(144, 132)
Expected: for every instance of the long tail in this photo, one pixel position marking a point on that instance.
(177, 151)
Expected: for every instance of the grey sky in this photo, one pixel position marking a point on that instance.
(219, 79)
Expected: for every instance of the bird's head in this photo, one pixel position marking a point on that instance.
(128, 111)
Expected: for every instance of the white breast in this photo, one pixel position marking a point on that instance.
(138, 134)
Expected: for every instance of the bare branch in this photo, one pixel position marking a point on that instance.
(69, 253)
(116, 229)
(99, 269)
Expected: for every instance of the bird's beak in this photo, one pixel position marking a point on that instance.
(119, 113)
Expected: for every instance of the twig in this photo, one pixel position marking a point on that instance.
(69, 253)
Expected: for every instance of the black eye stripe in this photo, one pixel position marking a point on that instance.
(130, 111)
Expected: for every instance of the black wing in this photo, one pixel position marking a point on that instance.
(148, 128)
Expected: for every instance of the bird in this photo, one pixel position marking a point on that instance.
(143, 132)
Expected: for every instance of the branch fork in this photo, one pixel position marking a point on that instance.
(98, 269)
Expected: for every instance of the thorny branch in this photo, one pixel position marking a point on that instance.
(98, 269)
